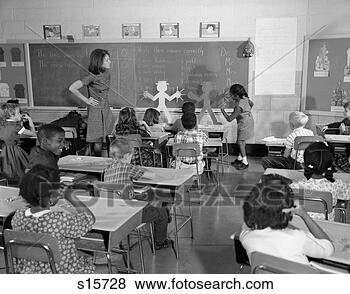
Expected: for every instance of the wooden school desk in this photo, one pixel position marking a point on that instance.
(339, 234)
(178, 181)
(10, 200)
(158, 139)
(296, 175)
(87, 164)
(275, 146)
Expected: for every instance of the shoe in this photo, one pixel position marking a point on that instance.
(102, 259)
(165, 244)
(236, 162)
(242, 166)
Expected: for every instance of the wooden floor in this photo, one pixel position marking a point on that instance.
(216, 217)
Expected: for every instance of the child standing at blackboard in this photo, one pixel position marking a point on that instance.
(100, 117)
(245, 122)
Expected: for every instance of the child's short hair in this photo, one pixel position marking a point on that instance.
(318, 160)
(346, 105)
(36, 184)
(298, 119)
(48, 131)
(188, 107)
(119, 147)
(265, 204)
(189, 120)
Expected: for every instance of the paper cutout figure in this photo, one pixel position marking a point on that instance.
(2, 57)
(347, 66)
(207, 87)
(19, 91)
(162, 86)
(16, 54)
(4, 90)
(339, 98)
(322, 61)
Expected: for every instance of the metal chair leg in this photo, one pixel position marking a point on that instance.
(142, 262)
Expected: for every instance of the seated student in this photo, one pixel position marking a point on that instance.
(24, 114)
(267, 212)
(318, 173)
(14, 159)
(127, 124)
(51, 143)
(191, 135)
(40, 187)
(120, 171)
(186, 107)
(151, 121)
(341, 160)
(297, 122)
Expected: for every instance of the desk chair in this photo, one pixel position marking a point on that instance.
(241, 254)
(33, 246)
(181, 150)
(302, 142)
(262, 263)
(6, 224)
(318, 201)
(96, 244)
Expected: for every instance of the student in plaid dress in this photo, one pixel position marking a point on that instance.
(191, 135)
(100, 117)
(120, 171)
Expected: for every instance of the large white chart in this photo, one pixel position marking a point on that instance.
(275, 62)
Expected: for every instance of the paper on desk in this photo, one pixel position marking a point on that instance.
(272, 139)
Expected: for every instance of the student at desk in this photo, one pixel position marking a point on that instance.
(127, 124)
(297, 122)
(51, 143)
(178, 126)
(318, 173)
(39, 188)
(341, 160)
(14, 158)
(151, 121)
(122, 172)
(267, 213)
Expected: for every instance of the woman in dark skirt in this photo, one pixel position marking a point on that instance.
(14, 159)
(100, 117)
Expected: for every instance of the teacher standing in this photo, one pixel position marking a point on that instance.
(245, 122)
(100, 117)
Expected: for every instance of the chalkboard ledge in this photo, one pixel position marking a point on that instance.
(324, 113)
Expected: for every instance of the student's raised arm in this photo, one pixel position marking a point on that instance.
(74, 88)
(233, 115)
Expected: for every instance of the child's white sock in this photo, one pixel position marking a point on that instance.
(244, 160)
(239, 157)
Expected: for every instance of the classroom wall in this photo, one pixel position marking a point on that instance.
(237, 19)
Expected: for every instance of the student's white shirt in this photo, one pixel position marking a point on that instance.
(290, 142)
(290, 244)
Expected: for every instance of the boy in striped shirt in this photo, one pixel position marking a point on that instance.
(297, 122)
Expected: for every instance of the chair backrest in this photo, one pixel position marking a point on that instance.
(315, 201)
(32, 246)
(302, 142)
(186, 150)
(70, 132)
(241, 253)
(111, 190)
(262, 263)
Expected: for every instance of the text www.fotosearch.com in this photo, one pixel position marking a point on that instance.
(187, 284)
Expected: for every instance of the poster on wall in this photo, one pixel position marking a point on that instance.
(322, 63)
(338, 98)
(13, 79)
(275, 62)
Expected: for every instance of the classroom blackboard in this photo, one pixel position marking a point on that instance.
(136, 67)
(320, 90)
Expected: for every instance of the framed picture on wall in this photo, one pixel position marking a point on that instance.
(131, 30)
(52, 32)
(169, 30)
(209, 29)
(91, 31)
